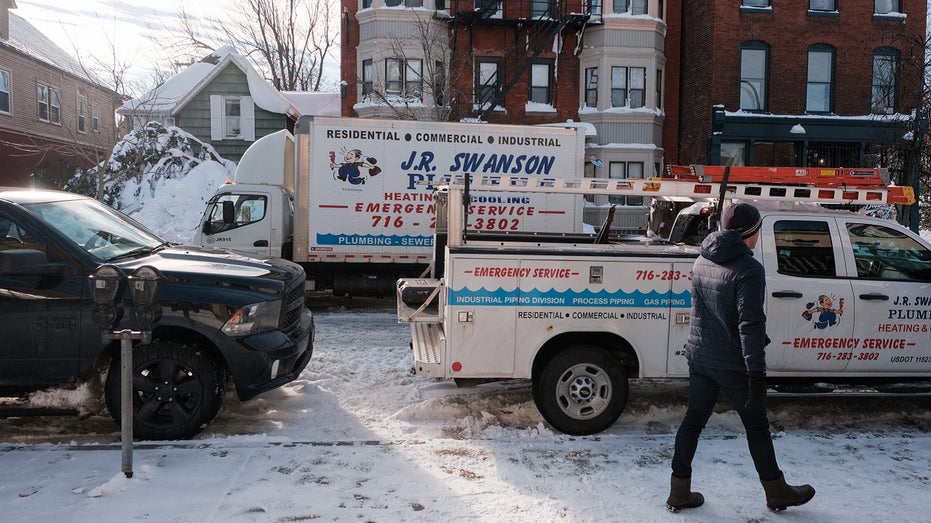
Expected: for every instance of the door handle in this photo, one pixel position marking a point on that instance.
(874, 297)
(786, 294)
(260, 243)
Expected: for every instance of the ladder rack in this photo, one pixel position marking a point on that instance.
(685, 188)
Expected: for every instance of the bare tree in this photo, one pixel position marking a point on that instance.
(417, 82)
(290, 41)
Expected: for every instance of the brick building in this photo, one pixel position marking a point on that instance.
(51, 109)
(520, 62)
(795, 82)
(754, 82)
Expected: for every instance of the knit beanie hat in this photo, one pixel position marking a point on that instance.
(743, 218)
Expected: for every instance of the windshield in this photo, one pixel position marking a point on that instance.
(104, 233)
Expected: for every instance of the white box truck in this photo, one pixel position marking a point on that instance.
(351, 199)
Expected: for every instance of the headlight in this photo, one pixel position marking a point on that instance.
(254, 318)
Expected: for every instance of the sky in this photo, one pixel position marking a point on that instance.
(131, 30)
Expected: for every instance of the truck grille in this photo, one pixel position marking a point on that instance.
(292, 307)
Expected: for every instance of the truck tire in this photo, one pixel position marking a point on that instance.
(582, 390)
(177, 390)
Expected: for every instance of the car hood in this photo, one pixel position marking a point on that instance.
(205, 267)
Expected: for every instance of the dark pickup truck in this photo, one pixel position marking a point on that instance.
(224, 317)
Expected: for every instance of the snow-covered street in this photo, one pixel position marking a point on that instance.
(359, 438)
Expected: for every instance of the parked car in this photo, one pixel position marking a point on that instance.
(223, 316)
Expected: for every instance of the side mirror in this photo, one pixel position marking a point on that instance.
(229, 213)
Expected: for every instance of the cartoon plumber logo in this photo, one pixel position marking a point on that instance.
(822, 313)
(350, 169)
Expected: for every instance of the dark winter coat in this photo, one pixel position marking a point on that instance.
(728, 326)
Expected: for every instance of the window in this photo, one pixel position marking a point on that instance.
(413, 80)
(232, 118)
(625, 170)
(366, 4)
(5, 91)
(487, 81)
(539, 8)
(404, 78)
(756, 3)
(231, 127)
(628, 86)
(659, 89)
(822, 5)
(884, 253)
(487, 8)
(820, 94)
(775, 154)
(833, 154)
(439, 83)
(49, 104)
(541, 83)
(367, 78)
(246, 209)
(395, 3)
(885, 80)
(95, 118)
(393, 82)
(804, 248)
(754, 63)
(733, 153)
(635, 7)
(591, 87)
(882, 7)
(82, 114)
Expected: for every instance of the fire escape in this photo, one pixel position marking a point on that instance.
(535, 25)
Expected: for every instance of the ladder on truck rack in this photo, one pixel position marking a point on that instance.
(695, 188)
(812, 176)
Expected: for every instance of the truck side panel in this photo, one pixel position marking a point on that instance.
(369, 196)
(503, 308)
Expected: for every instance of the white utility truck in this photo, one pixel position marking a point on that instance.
(351, 199)
(848, 296)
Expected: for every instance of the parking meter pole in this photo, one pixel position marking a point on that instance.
(126, 400)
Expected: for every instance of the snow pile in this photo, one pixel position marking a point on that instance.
(162, 177)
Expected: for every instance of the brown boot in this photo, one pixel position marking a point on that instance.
(681, 495)
(780, 495)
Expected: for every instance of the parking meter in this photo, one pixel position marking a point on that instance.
(106, 288)
(145, 289)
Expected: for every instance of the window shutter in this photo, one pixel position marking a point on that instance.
(247, 118)
(216, 117)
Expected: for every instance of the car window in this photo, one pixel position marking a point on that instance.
(247, 209)
(13, 235)
(885, 253)
(804, 248)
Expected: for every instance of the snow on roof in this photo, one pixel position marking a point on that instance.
(177, 91)
(31, 42)
(166, 96)
(314, 103)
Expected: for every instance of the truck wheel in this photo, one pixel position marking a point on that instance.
(582, 390)
(177, 390)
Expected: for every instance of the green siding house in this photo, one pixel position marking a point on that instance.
(224, 101)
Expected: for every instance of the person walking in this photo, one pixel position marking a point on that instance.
(726, 353)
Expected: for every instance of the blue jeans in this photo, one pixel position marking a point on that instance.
(705, 385)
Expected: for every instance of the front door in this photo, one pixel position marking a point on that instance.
(809, 315)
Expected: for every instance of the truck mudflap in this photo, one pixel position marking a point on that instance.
(427, 342)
